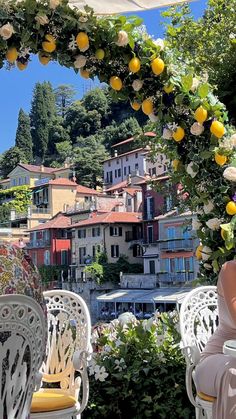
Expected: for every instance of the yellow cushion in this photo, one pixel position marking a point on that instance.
(206, 397)
(49, 399)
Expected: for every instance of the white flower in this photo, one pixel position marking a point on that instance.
(206, 252)
(214, 223)
(197, 129)
(195, 84)
(191, 169)
(80, 61)
(227, 144)
(123, 39)
(6, 31)
(159, 42)
(147, 324)
(208, 208)
(137, 85)
(100, 373)
(196, 225)
(72, 44)
(233, 140)
(232, 35)
(125, 318)
(120, 364)
(53, 4)
(153, 117)
(118, 343)
(42, 19)
(167, 134)
(207, 266)
(160, 339)
(83, 19)
(230, 173)
(107, 348)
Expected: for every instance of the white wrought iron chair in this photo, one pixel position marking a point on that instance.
(198, 321)
(68, 351)
(22, 347)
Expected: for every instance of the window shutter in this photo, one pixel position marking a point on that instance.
(117, 251)
(120, 231)
(135, 251)
(111, 231)
(112, 251)
(145, 209)
(152, 207)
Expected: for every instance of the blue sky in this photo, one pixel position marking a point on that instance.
(17, 87)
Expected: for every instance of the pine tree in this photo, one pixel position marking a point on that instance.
(64, 95)
(9, 160)
(23, 136)
(42, 115)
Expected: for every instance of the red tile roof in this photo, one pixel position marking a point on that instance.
(84, 190)
(63, 182)
(58, 221)
(111, 218)
(37, 169)
(120, 185)
(132, 191)
(148, 134)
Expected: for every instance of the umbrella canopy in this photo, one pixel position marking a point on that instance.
(109, 7)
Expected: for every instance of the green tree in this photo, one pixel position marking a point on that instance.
(114, 133)
(42, 115)
(65, 151)
(57, 133)
(96, 99)
(81, 122)
(23, 136)
(10, 159)
(64, 95)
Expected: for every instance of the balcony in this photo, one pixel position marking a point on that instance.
(40, 243)
(176, 245)
(15, 216)
(131, 236)
(38, 210)
(175, 277)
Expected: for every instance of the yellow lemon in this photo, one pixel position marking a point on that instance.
(44, 58)
(49, 45)
(12, 55)
(231, 208)
(168, 88)
(200, 115)
(220, 160)
(100, 54)
(21, 66)
(198, 252)
(147, 106)
(158, 66)
(223, 233)
(116, 83)
(134, 65)
(84, 73)
(136, 106)
(175, 164)
(217, 129)
(82, 40)
(178, 134)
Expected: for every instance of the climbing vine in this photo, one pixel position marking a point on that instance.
(190, 123)
(17, 198)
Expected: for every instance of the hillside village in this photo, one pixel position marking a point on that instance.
(123, 246)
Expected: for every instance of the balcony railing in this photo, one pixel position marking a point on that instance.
(37, 210)
(38, 243)
(176, 244)
(131, 236)
(173, 277)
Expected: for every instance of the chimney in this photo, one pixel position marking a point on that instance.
(65, 165)
(115, 153)
(41, 168)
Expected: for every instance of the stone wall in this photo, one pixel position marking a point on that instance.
(145, 281)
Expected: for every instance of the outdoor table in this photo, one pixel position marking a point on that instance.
(229, 347)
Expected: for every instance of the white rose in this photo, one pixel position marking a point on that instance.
(190, 169)
(153, 117)
(207, 266)
(6, 31)
(227, 144)
(199, 211)
(53, 4)
(123, 39)
(167, 134)
(208, 208)
(197, 129)
(125, 318)
(137, 85)
(159, 42)
(206, 252)
(196, 225)
(42, 20)
(233, 140)
(195, 84)
(230, 174)
(80, 61)
(214, 223)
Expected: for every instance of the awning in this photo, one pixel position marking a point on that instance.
(109, 7)
(157, 295)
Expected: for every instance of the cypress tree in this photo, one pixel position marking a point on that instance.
(23, 136)
(42, 115)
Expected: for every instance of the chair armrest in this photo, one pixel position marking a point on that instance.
(80, 363)
(38, 380)
(192, 357)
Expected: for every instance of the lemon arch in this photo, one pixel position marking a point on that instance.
(190, 123)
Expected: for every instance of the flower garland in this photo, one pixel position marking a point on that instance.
(191, 124)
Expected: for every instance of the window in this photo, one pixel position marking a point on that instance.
(115, 251)
(96, 249)
(136, 166)
(95, 231)
(109, 164)
(46, 257)
(34, 257)
(127, 158)
(117, 161)
(115, 231)
(150, 234)
(124, 171)
(171, 233)
(64, 257)
(154, 171)
(129, 171)
(129, 201)
(119, 172)
(150, 207)
(137, 251)
(188, 262)
(82, 233)
(136, 155)
(152, 266)
(82, 253)
(115, 172)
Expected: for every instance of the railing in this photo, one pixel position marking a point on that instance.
(38, 243)
(80, 206)
(36, 210)
(130, 236)
(176, 244)
(18, 215)
(171, 277)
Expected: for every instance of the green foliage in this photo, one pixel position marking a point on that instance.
(64, 94)
(138, 370)
(10, 159)
(23, 136)
(96, 100)
(17, 198)
(51, 273)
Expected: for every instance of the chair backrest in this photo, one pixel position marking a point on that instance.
(69, 330)
(199, 316)
(22, 348)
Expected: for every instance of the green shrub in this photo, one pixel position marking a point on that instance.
(138, 370)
